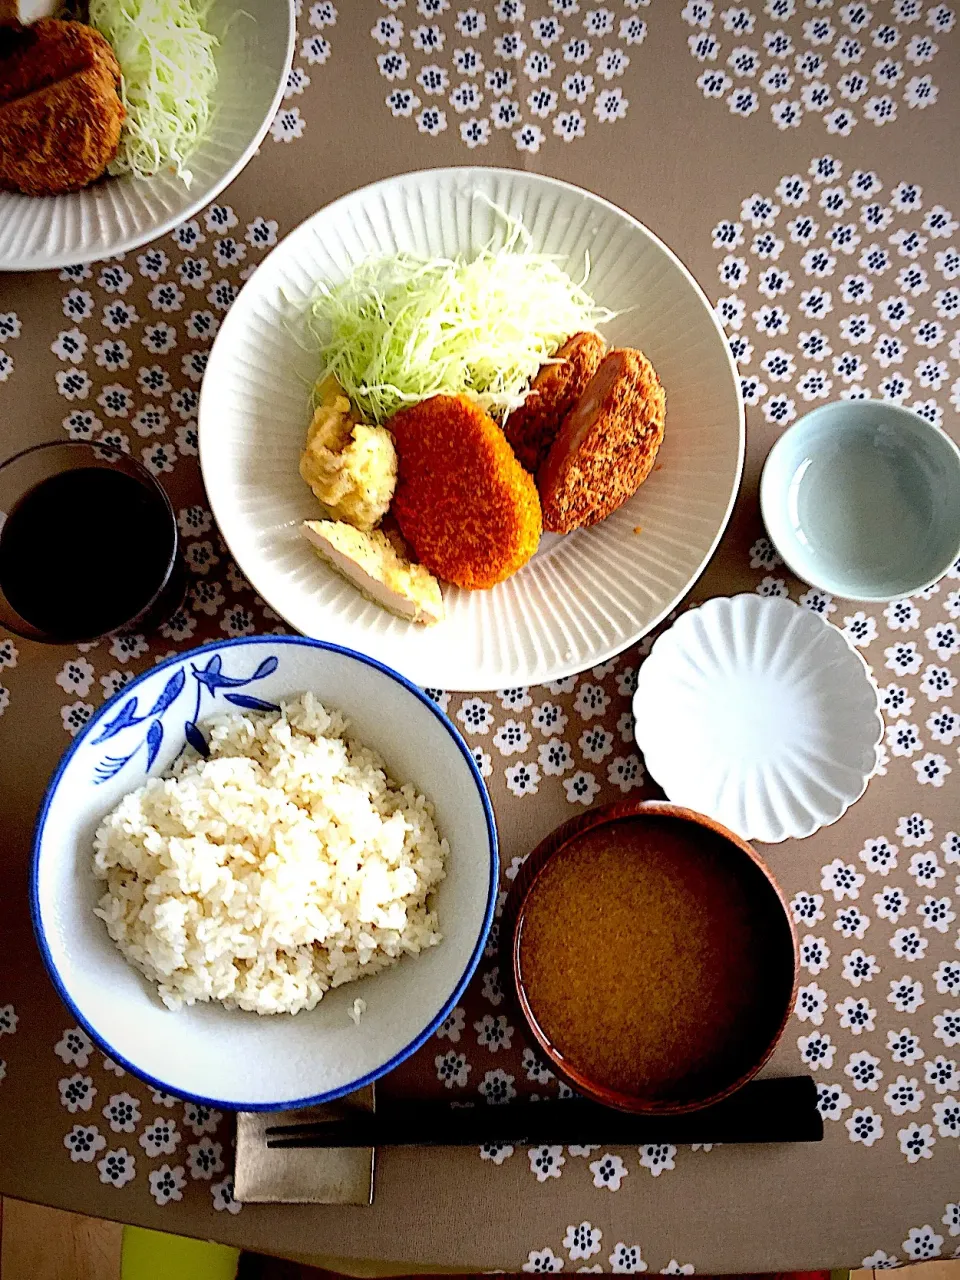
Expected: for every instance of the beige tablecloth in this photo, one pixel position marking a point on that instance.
(801, 158)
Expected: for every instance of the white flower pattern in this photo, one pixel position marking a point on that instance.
(123, 303)
(432, 53)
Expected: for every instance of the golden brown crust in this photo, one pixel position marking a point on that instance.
(532, 428)
(607, 445)
(44, 52)
(60, 107)
(463, 502)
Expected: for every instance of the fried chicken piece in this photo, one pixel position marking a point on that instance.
(607, 445)
(60, 107)
(350, 466)
(533, 427)
(463, 501)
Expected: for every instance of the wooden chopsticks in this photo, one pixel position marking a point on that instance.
(781, 1109)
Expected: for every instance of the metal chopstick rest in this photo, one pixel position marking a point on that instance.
(774, 1110)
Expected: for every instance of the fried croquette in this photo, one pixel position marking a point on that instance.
(60, 107)
(532, 428)
(463, 501)
(606, 446)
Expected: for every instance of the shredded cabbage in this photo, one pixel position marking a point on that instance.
(402, 328)
(166, 57)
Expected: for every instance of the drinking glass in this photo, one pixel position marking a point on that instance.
(151, 598)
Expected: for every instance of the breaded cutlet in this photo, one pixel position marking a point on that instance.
(607, 445)
(532, 428)
(60, 107)
(463, 501)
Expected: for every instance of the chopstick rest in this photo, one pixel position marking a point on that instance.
(335, 1175)
(780, 1109)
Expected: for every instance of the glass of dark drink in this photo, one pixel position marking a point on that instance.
(88, 544)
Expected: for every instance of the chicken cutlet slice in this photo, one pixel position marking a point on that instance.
(532, 428)
(60, 107)
(463, 501)
(371, 561)
(607, 444)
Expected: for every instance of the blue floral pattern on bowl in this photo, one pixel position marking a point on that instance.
(209, 679)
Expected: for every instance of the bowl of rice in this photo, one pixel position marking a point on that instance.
(264, 873)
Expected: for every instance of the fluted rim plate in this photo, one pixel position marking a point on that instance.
(119, 214)
(582, 598)
(760, 714)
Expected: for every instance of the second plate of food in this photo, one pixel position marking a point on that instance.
(525, 534)
(71, 195)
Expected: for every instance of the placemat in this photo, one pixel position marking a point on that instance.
(798, 157)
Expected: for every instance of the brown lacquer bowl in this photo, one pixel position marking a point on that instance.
(653, 956)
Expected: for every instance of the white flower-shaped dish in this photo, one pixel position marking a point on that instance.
(759, 714)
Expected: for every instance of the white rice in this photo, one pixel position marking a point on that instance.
(287, 863)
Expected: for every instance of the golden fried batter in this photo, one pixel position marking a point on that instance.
(60, 107)
(607, 445)
(533, 427)
(463, 502)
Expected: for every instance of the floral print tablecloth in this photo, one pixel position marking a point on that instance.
(798, 155)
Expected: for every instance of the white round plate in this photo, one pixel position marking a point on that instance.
(226, 1057)
(759, 714)
(117, 214)
(583, 597)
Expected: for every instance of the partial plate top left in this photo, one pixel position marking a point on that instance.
(118, 214)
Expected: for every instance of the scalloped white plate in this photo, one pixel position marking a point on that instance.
(118, 214)
(759, 714)
(582, 598)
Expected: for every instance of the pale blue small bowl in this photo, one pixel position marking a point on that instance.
(862, 499)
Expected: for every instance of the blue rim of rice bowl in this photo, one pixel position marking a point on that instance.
(287, 1104)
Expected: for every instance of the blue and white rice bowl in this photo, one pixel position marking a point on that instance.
(226, 1057)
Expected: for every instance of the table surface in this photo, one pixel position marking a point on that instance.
(744, 138)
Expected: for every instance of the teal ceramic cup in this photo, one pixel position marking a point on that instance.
(862, 499)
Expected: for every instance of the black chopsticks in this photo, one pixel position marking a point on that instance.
(781, 1109)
